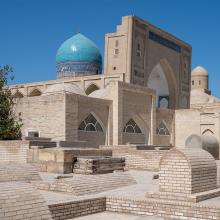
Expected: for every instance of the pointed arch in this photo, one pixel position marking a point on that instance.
(35, 92)
(162, 129)
(208, 132)
(91, 88)
(91, 123)
(131, 127)
(18, 95)
(162, 80)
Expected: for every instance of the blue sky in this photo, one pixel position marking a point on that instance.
(32, 30)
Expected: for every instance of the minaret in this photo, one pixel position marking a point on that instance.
(200, 79)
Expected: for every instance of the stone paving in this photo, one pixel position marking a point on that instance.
(116, 216)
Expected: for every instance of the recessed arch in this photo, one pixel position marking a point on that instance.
(162, 129)
(208, 132)
(91, 88)
(18, 95)
(162, 80)
(35, 92)
(142, 125)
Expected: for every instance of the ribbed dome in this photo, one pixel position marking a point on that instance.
(78, 56)
(199, 71)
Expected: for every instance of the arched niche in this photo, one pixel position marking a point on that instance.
(162, 80)
(91, 88)
(18, 95)
(35, 92)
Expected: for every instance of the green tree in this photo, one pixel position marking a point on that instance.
(10, 125)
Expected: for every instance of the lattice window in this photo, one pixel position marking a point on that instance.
(90, 124)
(162, 129)
(131, 127)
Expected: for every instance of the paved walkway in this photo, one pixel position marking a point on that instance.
(116, 216)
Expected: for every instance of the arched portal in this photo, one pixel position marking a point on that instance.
(91, 88)
(162, 80)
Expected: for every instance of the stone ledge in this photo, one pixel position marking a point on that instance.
(196, 197)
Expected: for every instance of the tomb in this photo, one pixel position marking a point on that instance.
(187, 175)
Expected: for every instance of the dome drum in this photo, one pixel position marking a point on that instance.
(74, 68)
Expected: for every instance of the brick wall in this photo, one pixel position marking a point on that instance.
(13, 151)
(18, 172)
(140, 159)
(77, 208)
(187, 171)
(21, 201)
(166, 209)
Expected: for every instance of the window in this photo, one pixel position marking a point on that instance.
(131, 127)
(199, 82)
(90, 124)
(116, 43)
(33, 134)
(162, 129)
(116, 51)
(114, 67)
(138, 52)
(193, 82)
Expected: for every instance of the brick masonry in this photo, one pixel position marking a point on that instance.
(140, 159)
(77, 208)
(13, 151)
(18, 172)
(187, 171)
(20, 201)
(163, 208)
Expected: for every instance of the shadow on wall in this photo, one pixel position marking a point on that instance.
(207, 142)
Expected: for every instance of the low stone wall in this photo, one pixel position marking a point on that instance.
(140, 159)
(163, 208)
(22, 202)
(13, 151)
(77, 208)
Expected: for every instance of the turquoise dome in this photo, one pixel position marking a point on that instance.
(78, 56)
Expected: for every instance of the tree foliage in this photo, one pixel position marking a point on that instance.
(10, 125)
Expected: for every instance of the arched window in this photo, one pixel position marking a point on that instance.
(90, 124)
(131, 127)
(91, 89)
(35, 92)
(193, 82)
(162, 129)
(18, 95)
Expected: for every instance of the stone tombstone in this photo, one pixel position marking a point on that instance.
(187, 171)
(206, 142)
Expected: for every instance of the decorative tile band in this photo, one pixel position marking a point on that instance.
(73, 68)
(164, 41)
